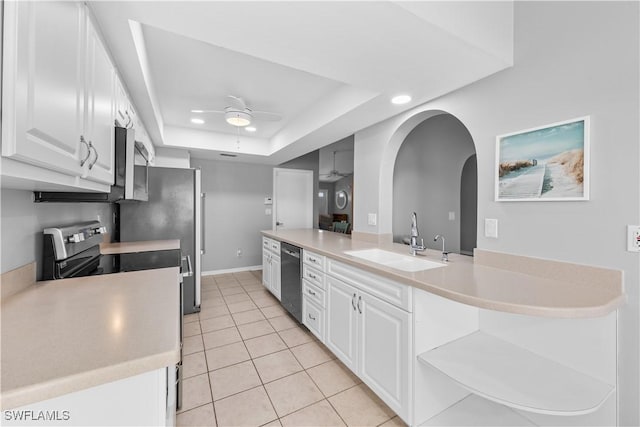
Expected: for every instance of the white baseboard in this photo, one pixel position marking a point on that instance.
(231, 270)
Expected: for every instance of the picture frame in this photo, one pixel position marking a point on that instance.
(545, 163)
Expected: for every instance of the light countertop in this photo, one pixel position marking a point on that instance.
(562, 295)
(144, 246)
(67, 335)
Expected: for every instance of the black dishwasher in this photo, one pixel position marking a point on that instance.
(291, 280)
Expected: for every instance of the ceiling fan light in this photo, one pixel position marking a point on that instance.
(237, 118)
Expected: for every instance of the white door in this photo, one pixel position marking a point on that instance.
(342, 327)
(43, 84)
(384, 351)
(292, 198)
(276, 274)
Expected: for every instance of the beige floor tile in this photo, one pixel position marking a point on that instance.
(276, 365)
(333, 377)
(255, 329)
(291, 393)
(256, 286)
(221, 337)
(274, 310)
(233, 379)
(196, 392)
(227, 355)
(274, 423)
(189, 318)
(260, 293)
(266, 344)
(232, 291)
(230, 299)
(238, 307)
(266, 302)
(394, 422)
(210, 292)
(249, 408)
(211, 312)
(191, 329)
(318, 414)
(202, 416)
(207, 279)
(194, 364)
(192, 344)
(280, 323)
(296, 336)
(247, 317)
(212, 302)
(311, 354)
(217, 323)
(243, 275)
(249, 282)
(359, 406)
(226, 282)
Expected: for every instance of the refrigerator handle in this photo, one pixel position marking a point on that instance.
(202, 232)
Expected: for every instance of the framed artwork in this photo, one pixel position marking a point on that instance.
(547, 163)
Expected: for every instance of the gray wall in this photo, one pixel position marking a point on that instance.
(571, 59)
(23, 222)
(310, 161)
(234, 212)
(426, 180)
(330, 192)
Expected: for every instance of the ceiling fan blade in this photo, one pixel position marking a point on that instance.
(237, 102)
(266, 115)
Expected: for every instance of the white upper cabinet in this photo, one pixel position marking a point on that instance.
(100, 109)
(43, 85)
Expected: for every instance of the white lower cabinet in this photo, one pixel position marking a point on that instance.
(275, 276)
(271, 266)
(266, 269)
(373, 339)
(313, 317)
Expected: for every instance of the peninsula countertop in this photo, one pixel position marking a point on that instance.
(66, 335)
(576, 291)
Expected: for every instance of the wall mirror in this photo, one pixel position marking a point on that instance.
(341, 199)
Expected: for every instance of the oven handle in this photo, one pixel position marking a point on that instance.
(189, 271)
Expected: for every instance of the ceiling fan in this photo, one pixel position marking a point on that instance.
(238, 114)
(334, 173)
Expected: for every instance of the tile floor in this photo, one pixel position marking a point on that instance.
(248, 363)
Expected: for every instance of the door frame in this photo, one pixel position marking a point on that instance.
(304, 174)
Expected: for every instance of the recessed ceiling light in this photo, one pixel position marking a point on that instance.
(197, 121)
(250, 129)
(400, 99)
(197, 111)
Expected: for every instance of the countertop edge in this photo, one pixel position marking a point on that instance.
(609, 305)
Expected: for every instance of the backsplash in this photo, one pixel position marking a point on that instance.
(23, 221)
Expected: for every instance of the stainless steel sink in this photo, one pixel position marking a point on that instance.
(395, 260)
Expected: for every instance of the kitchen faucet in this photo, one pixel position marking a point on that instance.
(445, 254)
(413, 243)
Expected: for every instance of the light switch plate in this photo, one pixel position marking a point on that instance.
(267, 211)
(633, 238)
(491, 228)
(268, 200)
(372, 219)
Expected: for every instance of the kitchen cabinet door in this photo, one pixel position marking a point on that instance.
(43, 84)
(100, 106)
(276, 275)
(266, 269)
(384, 351)
(342, 322)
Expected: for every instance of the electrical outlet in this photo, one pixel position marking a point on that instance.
(633, 238)
(491, 228)
(372, 219)
(239, 253)
(452, 216)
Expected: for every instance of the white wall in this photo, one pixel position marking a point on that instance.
(172, 158)
(426, 180)
(309, 161)
(571, 59)
(234, 212)
(23, 222)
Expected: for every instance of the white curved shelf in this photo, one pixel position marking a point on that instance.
(473, 410)
(512, 376)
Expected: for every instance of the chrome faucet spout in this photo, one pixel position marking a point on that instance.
(445, 254)
(413, 240)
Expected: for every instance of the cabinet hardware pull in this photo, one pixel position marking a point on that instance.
(94, 160)
(311, 292)
(359, 301)
(83, 141)
(313, 276)
(353, 301)
(311, 317)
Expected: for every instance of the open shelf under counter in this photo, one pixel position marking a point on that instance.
(474, 410)
(515, 377)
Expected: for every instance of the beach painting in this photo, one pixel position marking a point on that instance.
(545, 163)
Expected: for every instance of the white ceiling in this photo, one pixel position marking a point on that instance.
(329, 68)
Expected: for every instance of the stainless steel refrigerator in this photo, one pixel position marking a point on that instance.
(173, 211)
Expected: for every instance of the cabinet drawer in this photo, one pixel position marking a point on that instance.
(314, 293)
(314, 259)
(274, 245)
(312, 275)
(387, 290)
(266, 243)
(313, 318)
